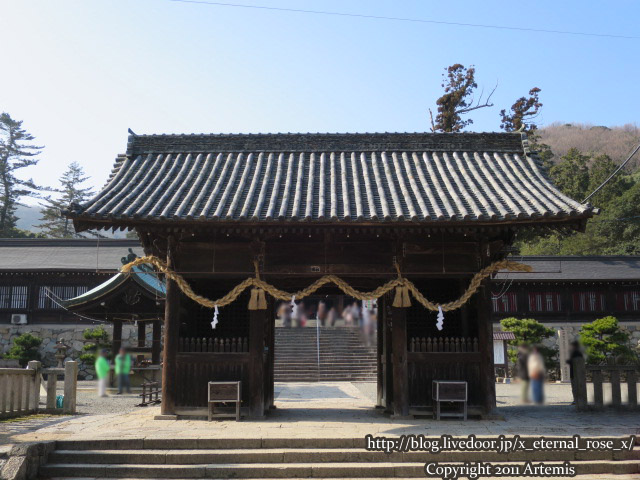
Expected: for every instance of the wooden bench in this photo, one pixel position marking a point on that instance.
(449, 391)
(224, 392)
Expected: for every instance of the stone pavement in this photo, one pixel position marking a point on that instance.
(345, 410)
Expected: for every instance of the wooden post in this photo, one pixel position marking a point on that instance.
(171, 336)
(142, 334)
(400, 368)
(33, 391)
(156, 343)
(380, 356)
(387, 357)
(580, 377)
(485, 344)
(70, 386)
(257, 320)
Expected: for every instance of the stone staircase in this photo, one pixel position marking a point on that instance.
(294, 458)
(343, 355)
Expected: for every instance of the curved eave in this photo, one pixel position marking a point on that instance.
(107, 288)
(576, 221)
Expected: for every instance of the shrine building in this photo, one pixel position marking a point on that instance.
(428, 211)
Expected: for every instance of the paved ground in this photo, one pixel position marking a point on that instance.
(324, 410)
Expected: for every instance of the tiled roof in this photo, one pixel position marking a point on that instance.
(329, 178)
(504, 336)
(64, 254)
(142, 275)
(568, 268)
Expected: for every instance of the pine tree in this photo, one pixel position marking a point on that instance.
(16, 152)
(459, 85)
(54, 223)
(522, 114)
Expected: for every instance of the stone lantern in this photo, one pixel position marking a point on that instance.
(61, 352)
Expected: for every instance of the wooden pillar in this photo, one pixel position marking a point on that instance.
(171, 336)
(400, 369)
(271, 343)
(156, 342)
(387, 358)
(117, 338)
(485, 343)
(380, 355)
(257, 320)
(142, 334)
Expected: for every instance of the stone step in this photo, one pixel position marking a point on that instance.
(353, 443)
(310, 455)
(577, 477)
(294, 470)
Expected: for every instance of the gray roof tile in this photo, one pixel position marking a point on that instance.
(329, 178)
(574, 268)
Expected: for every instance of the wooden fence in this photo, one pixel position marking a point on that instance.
(443, 344)
(615, 375)
(20, 389)
(215, 345)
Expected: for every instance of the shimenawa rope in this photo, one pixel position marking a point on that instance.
(258, 301)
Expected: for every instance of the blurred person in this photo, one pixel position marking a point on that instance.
(536, 370)
(284, 313)
(574, 353)
(356, 313)
(102, 368)
(523, 372)
(322, 313)
(123, 370)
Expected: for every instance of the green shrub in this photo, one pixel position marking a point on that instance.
(99, 341)
(25, 348)
(606, 342)
(530, 332)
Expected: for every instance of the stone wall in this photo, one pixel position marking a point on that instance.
(73, 337)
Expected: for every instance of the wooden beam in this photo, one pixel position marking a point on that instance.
(400, 370)
(171, 336)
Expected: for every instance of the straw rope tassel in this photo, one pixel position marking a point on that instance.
(406, 301)
(262, 301)
(253, 301)
(397, 300)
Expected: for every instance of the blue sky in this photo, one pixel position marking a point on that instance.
(80, 72)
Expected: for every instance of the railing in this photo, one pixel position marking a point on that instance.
(70, 372)
(151, 390)
(20, 389)
(599, 374)
(215, 345)
(443, 345)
